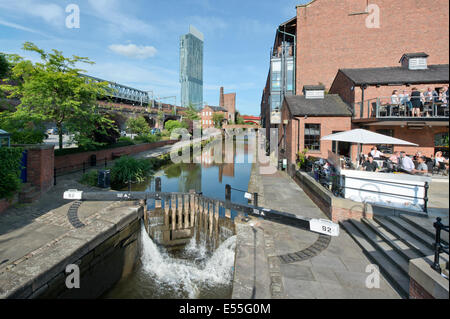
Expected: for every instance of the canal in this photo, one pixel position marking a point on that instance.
(193, 271)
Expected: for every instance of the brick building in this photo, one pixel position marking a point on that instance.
(369, 92)
(207, 113)
(228, 102)
(309, 117)
(326, 36)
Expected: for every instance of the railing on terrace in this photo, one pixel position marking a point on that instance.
(384, 108)
(438, 246)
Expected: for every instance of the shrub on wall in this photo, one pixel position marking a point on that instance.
(129, 168)
(10, 167)
(90, 179)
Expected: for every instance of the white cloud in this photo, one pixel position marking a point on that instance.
(134, 51)
(118, 21)
(21, 28)
(51, 13)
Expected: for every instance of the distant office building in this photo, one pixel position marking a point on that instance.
(191, 68)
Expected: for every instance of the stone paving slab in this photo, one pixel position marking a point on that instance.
(338, 272)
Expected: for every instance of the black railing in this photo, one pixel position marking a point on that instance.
(228, 189)
(438, 246)
(81, 167)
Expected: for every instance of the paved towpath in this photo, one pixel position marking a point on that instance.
(280, 261)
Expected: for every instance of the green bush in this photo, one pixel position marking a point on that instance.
(125, 139)
(128, 168)
(90, 178)
(10, 167)
(147, 138)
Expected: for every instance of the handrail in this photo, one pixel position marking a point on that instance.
(426, 186)
(438, 246)
(382, 107)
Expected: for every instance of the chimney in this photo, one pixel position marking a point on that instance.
(222, 98)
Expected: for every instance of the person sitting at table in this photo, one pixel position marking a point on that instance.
(422, 168)
(438, 159)
(375, 153)
(418, 154)
(395, 158)
(416, 102)
(370, 165)
(406, 163)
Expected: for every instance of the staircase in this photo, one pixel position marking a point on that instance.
(28, 194)
(391, 241)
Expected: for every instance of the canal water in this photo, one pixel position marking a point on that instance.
(194, 271)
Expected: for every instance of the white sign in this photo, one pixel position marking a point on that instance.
(73, 194)
(324, 226)
(248, 195)
(275, 118)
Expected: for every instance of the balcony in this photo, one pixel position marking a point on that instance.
(382, 108)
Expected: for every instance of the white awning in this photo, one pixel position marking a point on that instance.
(361, 136)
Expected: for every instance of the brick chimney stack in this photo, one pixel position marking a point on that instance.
(222, 98)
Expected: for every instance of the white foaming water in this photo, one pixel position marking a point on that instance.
(184, 276)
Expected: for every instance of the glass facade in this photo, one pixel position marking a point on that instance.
(191, 68)
(282, 77)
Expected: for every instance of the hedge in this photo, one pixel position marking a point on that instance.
(10, 168)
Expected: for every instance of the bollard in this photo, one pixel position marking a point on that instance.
(227, 192)
(54, 177)
(437, 245)
(255, 199)
(84, 167)
(106, 162)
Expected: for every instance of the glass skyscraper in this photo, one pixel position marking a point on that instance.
(191, 68)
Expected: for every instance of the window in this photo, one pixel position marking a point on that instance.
(312, 137)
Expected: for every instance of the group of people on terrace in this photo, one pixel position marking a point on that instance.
(419, 102)
(417, 164)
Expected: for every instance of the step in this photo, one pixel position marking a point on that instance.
(395, 276)
(413, 231)
(418, 246)
(381, 245)
(404, 250)
(425, 224)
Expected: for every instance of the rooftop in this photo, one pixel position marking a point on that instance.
(330, 105)
(434, 74)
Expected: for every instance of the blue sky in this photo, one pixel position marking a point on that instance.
(136, 42)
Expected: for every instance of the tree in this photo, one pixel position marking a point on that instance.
(218, 119)
(191, 113)
(54, 90)
(138, 125)
(239, 120)
(4, 66)
(172, 125)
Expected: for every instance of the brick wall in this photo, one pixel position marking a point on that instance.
(71, 162)
(296, 127)
(424, 138)
(329, 38)
(416, 291)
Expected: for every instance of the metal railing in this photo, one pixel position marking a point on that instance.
(92, 163)
(342, 187)
(387, 107)
(438, 246)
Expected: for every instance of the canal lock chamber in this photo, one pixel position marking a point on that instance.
(187, 250)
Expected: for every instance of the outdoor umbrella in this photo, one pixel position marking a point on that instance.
(360, 136)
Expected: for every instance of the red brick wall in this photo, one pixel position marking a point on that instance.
(416, 291)
(230, 103)
(40, 163)
(328, 38)
(71, 162)
(424, 138)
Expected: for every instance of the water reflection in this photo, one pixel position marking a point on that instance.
(208, 176)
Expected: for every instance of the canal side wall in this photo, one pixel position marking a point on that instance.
(337, 209)
(105, 251)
